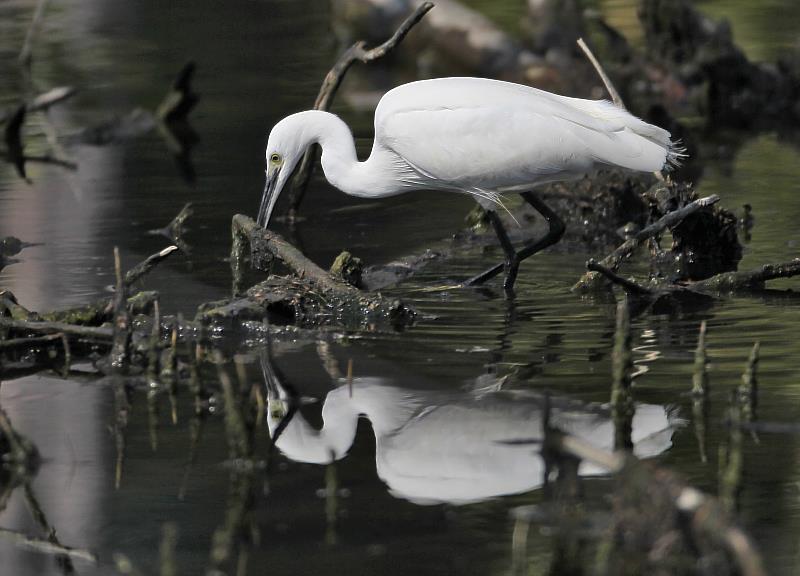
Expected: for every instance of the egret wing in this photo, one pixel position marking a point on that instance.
(488, 134)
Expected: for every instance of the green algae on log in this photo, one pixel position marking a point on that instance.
(310, 298)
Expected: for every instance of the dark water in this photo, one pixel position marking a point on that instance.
(258, 61)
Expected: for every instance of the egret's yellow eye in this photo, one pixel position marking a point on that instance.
(275, 158)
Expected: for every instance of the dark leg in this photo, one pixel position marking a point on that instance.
(511, 265)
(554, 233)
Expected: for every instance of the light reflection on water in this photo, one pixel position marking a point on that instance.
(249, 75)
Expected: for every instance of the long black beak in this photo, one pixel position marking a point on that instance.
(268, 198)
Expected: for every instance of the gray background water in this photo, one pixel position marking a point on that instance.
(258, 61)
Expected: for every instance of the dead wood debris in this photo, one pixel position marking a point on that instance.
(313, 297)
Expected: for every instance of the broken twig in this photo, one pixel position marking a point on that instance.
(612, 91)
(147, 265)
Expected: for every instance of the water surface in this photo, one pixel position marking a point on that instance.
(258, 61)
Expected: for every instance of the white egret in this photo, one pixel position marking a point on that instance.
(475, 136)
(435, 446)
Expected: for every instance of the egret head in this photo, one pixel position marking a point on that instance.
(286, 145)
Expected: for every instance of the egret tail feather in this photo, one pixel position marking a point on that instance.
(676, 152)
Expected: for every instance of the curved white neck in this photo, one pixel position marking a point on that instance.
(302, 443)
(386, 407)
(340, 164)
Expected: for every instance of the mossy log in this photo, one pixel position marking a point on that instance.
(311, 297)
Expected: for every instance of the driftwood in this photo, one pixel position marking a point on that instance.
(356, 53)
(312, 297)
(746, 281)
(28, 342)
(145, 266)
(176, 229)
(591, 280)
(725, 283)
(17, 454)
(265, 243)
(42, 102)
(121, 334)
(13, 139)
(47, 99)
(10, 246)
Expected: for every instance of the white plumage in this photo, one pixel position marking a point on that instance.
(474, 133)
(456, 447)
(471, 135)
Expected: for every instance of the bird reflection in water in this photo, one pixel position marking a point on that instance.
(456, 447)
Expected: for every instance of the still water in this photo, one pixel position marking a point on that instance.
(258, 61)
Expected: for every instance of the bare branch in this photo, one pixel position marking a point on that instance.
(148, 264)
(628, 285)
(612, 91)
(749, 280)
(591, 280)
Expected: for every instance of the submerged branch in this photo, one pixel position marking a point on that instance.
(629, 286)
(101, 333)
(312, 297)
(748, 280)
(175, 229)
(591, 280)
